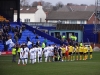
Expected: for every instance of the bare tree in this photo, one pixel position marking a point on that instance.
(83, 4)
(59, 5)
(24, 2)
(34, 4)
(71, 4)
(47, 6)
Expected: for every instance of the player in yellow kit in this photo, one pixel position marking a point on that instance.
(70, 52)
(63, 53)
(91, 50)
(77, 52)
(87, 53)
(84, 52)
(73, 53)
(81, 52)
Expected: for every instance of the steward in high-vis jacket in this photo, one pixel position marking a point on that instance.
(14, 52)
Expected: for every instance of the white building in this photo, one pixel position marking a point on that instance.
(31, 14)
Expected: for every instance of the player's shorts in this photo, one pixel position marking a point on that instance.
(81, 53)
(70, 53)
(32, 57)
(51, 54)
(39, 55)
(22, 58)
(63, 54)
(90, 52)
(84, 53)
(26, 56)
(73, 52)
(45, 55)
(76, 53)
(35, 56)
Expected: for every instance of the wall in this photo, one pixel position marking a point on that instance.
(40, 14)
(88, 35)
(80, 34)
(24, 16)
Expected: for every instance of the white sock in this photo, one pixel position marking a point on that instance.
(26, 61)
(41, 60)
(18, 61)
(45, 59)
(49, 58)
(32, 61)
(35, 60)
(38, 60)
(23, 61)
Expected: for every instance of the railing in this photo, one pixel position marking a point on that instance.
(40, 23)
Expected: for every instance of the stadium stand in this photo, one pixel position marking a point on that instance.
(29, 32)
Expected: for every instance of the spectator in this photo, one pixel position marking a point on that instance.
(34, 32)
(20, 32)
(28, 38)
(16, 37)
(59, 37)
(23, 27)
(36, 37)
(45, 41)
(12, 29)
(33, 44)
(38, 43)
(14, 51)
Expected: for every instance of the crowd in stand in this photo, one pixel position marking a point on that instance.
(5, 29)
(8, 40)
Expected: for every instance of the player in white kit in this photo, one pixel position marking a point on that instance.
(32, 53)
(22, 52)
(40, 54)
(35, 53)
(26, 49)
(46, 52)
(51, 53)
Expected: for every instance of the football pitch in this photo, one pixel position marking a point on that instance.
(83, 67)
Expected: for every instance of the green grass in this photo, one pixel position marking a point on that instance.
(88, 67)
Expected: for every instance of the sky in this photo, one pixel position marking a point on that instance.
(88, 2)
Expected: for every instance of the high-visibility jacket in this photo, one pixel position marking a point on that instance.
(14, 51)
(72, 37)
(18, 50)
(75, 38)
(81, 44)
(63, 36)
(43, 45)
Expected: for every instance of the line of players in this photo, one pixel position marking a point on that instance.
(54, 53)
